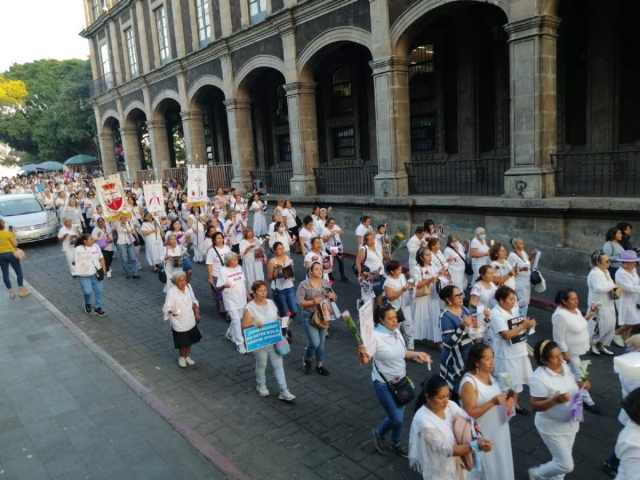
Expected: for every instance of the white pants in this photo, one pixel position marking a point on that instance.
(560, 447)
(236, 326)
(69, 253)
(574, 366)
(262, 355)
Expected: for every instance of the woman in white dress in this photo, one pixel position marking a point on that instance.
(439, 261)
(600, 286)
(426, 310)
(233, 228)
(252, 255)
(67, 236)
(432, 445)
(281, 234)
(259, 216)
(370, 262)
(197, 223)
(479, 251)
(289, 218)
(215, 262)
(72, 211)
(627, 278)
(571, 333)
(153, 240)
(173, 256)
(235, 294)
(483, 293)
(397, 290)
(522, 262)
(483, 399)
(456, 256)
(503, 272)
(510, 341)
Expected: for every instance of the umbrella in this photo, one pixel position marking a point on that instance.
(50, 166)
(29, 168)
(81, 160)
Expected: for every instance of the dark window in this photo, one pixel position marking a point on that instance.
(257, 10)
(629, 77)
(282, 111)
(284, 145)
(421, 72)
(423, 134)
(344, 142)
(342, 92)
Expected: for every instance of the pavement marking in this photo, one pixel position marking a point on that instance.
(191, 435)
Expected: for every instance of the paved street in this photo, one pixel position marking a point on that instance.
(324, 434)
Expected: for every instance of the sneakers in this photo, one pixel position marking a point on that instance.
(263, 390)
(189, 361)
(242, 350)
(378, 441)
(617, 339)
(229, 335)
(286, 396)
(109, 274)
(306, 365)
(87, 308)
(182, 362)
(99, 312)
(606, 351)
(137, 277)
(400, 450)
(322, 371)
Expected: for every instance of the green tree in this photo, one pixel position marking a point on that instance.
(12, 92)
(56, 120)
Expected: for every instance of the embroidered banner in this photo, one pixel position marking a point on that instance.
(197, 187)
(111, 196)
(153, 198)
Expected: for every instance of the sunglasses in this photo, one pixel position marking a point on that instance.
(459, 295)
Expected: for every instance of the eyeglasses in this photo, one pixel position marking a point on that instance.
(606, 261)
(459, 295)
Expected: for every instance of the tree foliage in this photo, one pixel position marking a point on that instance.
(12, 92)
(55, 120)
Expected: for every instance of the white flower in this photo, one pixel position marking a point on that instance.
(584, 369)
(505, 380)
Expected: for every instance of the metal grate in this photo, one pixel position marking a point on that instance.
(347, 180)
(277, 181)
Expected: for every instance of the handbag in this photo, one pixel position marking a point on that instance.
(317, 319)
(100, 274)
(466, 430)
(162, 275)
(403, 391)
(615, 293)
(282, 347)
(19, 254)
(363, 267)
(536, 278)
(468, 268)
(196, 308)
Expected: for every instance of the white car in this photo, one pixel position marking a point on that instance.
(25, 216)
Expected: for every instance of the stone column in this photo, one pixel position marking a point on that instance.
(108, 152)
(391, 89)
(178, 30)
(118, 75)
(159, 143)
(241, 141)
(468, 134)
(131, 147)
(142, 38)
(193, 127)
(303, 133)
(532, 67)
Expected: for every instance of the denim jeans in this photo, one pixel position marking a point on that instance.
(91, 285)
(262, 355)
(395, 414)
(128, 259)
(7, 259)
(316, 339)
(286, 302)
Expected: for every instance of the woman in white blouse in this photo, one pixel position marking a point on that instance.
(72, 211)
(236, 295)
(388, 352)
(483, 293)
(397, 291)
(552, 388)
(88, 259)
(370, 261)
(571, 333)
(281, 235)
(178, 309)
(600, 287)
(259, 216)
(479, 251)
(153, 239)
(233, 229)
(456, 256)
(432, 445)
(627, 278)
(628, 444)
(215, 262)
(173, 256)
(519, 260)
(258, 312)
(197, 223)
(439, 261)
(289, 217)
(252, 255)
(426, 308)
(103, 236)
(503, 272)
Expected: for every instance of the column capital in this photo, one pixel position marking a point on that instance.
(187, 116)
(389, 64)
(300, 88)
(106, 136)
(538, 25)
(237, 104)
(156, 124)
(128, 131)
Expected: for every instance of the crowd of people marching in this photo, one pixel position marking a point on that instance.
(467, 300)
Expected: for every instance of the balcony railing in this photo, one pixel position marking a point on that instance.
(145, 176)
(346, 180)
(483, 176)
(102, 84)
(598, 174)
(219, 176)
(277, 181)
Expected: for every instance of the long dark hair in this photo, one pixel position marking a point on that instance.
(430, 387)
(381, 311)
(80, 241)
(475, 355)
(625, 242)
(542, 350)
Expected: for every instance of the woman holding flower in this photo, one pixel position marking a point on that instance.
(259, 216)
(627, 277)
(571, 333)
(600, 287)
(252, 255)
(426, 308)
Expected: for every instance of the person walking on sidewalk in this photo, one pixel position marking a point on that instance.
(600, 287)
(88, 260)
(126, 236)
(179, 310)
(8, 246)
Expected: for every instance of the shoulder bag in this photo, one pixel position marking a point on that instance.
(317, 319)
(19, 254)
(362, 265)
(195, 307)
(403, 391)
(465, 431)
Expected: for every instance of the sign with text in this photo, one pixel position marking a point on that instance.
(256, 338)
(514, 323)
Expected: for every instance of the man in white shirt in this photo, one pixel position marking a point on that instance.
(364, 227)
(414, 244)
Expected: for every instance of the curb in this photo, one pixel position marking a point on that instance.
(191, 435)
(537, 302)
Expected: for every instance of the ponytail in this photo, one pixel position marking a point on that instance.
(430, 387)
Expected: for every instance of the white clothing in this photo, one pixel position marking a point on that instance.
(263, 313)
(73, 213)
(334, 241)
(373, 260)
(252, 266)
(497, 464)
(502, 269)
(67, 246)
(259, 219)
(523, 279)
(306, 236)
(176, 300)
(431, 443)
(87, 260)
(280, 283)
(176, 255)
(216, 260)
(152, 243)
(628, 451)
(283, 238)
(413, 245)
(545, 383)
(426, 309)
(235, 298)
(388, 350)
(600, 284)
(476, 263)
(457, 257)
(97, 233)
(361, 230)
(570, 331)
(486, 297)
(235, 327)
(123, 229)
(198, 230)
(560, 447)
(510, 358)
(628, 385)
(289, 216)
(233, 230)
(628, 312)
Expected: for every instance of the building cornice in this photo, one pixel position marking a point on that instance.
(105, 18)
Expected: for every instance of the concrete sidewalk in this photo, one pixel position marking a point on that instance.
(66, 414)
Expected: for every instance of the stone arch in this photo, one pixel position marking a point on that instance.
(333, 36)
(107, 119)
(203, 81)
(131, 106)
(260, 61)
(418, 10)
(164, 94)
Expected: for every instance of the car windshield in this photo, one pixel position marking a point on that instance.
(21, 206)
